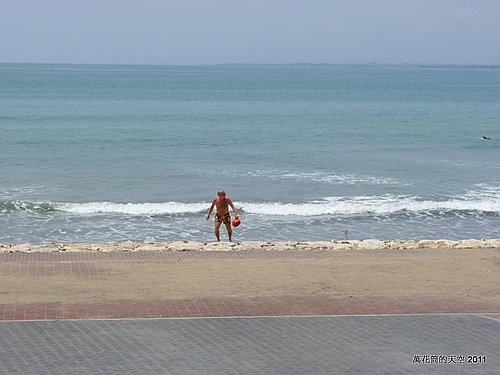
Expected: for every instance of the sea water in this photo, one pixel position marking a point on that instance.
(95, 153)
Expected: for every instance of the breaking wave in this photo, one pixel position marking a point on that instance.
(371, 205)
(359, 205)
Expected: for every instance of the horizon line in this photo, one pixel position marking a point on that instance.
(267, 64)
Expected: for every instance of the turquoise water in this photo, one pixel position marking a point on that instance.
(113, 153)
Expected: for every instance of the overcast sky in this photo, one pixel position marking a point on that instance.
(250, 31)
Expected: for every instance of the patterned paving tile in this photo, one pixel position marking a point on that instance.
(407, 344)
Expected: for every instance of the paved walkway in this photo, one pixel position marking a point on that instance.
(301, 334)
(400, 344)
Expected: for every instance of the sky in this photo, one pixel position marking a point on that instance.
(193, 32)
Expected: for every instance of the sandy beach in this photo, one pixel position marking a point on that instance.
(100, 274)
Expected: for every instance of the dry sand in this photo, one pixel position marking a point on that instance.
(471, 274)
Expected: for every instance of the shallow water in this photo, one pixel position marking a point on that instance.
(113, 153)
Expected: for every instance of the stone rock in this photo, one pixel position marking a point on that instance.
(401, 245)
(372, 244)
(474, 244)
(368, 244)
(345, 245)
(128, 245)
(185, 246)
(437, 244)
(220, 246)
(255, 245)
(316, 245)
(491, 243)
(160, 246)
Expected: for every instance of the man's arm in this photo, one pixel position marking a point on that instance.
(234, 208)
(210, 209)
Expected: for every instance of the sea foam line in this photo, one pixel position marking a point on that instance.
(328, 206)
(486, 199)
(371, 205)
(322, 177)
(132, 208)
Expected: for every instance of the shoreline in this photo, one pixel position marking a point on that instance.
(367, 244)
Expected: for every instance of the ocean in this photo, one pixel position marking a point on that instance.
(110, 153)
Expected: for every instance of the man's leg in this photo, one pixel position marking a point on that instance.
(217, 230)
(229, 231)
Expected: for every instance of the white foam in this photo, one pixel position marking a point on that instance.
(132, 208)
(483, 198)
(322, 177)
(370, 205)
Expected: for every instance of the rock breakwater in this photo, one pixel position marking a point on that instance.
(368, 244)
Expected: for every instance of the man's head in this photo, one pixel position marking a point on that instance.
(221, 193)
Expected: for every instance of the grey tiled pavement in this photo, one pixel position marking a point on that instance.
(258, 345)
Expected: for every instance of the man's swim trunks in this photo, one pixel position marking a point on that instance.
(226, 219)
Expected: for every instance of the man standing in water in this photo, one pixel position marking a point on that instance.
(222, 215)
